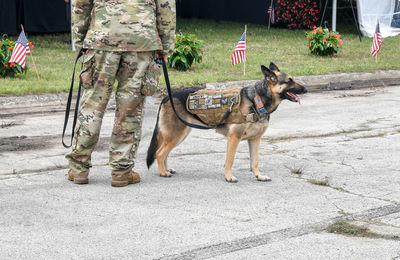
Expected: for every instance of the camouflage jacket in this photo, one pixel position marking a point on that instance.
(124, 25)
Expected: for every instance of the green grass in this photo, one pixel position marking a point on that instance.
(344, 227)
(287, 48)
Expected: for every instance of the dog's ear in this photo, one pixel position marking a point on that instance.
(269, 74)
(273, 67)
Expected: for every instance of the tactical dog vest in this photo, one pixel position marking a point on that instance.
(210, 105)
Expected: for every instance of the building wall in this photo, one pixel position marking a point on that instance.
(254, 11)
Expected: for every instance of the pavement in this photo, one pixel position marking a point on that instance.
(333, 159)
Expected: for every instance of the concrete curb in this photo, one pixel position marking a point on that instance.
(317, 83)
(330, 82)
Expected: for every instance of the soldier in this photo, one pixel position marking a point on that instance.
(122, 39)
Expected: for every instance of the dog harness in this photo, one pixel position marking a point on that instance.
(210, 105)
(260, 105)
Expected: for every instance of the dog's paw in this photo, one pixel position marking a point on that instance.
(232, 180)
(263, 178)
(166, 174)
(172, 171)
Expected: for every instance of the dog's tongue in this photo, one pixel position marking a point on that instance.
(294, 96)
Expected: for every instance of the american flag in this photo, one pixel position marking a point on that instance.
(20, 50)
(239, 55)
(376, 44)
(271, 12)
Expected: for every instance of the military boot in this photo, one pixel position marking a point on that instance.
(78, 178)
(121, 181)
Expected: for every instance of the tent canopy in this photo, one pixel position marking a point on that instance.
(386, 11)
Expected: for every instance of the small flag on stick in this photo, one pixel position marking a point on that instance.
(377, 42)
(20, 50)
(239, 54)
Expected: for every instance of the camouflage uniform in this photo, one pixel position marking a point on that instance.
(123, 37)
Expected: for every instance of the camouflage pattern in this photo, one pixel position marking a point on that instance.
(210, 106)
(124, 25)
(100, 69)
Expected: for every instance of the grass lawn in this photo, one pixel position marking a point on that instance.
(287, 48)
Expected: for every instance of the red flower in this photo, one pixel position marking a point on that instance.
(201, 50)
(309, 45)
(9, 42)
(5, 66)
(10, 48)
(11, 64)
(340, 42)
(325, 40)
(332, 34)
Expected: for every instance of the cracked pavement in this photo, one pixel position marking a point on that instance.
(348, 139)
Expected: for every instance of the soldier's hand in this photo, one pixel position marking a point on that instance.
(67, 1)
(164, 56)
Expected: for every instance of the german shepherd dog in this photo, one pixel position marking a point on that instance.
(169, 131)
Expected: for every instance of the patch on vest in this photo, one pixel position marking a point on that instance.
(210, 105)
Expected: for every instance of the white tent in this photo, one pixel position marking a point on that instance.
(388, 13)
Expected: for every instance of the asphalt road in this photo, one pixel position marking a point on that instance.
(349, 141)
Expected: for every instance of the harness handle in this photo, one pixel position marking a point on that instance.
(68, 108)
(228, 112)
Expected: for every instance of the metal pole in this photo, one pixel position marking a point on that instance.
(334, 9)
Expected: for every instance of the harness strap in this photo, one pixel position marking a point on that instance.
(228, 112)
(68, 108)
(260, 105)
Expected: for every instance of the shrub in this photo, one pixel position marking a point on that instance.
(8, 69)
(297, 14)
(188, 49)
(324, 42)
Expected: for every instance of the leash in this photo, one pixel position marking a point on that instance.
(68, 108)
(228, 112)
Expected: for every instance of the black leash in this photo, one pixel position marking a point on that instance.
(68, 108)
(162, 62)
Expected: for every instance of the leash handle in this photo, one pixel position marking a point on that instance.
(68, 108)
(162, 62)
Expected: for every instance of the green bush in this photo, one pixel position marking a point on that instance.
(188, 49)
(323, 42)
(7, 69)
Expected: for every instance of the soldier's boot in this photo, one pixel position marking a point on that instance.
(122, 181)
(78, 178)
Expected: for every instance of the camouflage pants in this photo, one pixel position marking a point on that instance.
(99, 72)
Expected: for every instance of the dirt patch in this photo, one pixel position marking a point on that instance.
(24, 143)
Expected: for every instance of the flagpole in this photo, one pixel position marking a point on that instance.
(269, 15)
(376, 56)
(244, 63)
(33, 61)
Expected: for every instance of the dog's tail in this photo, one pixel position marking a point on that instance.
(151, 151)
